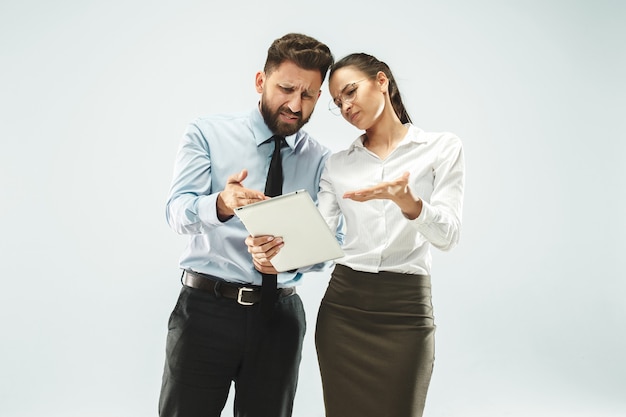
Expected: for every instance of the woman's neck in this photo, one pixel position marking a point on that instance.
(383, 137)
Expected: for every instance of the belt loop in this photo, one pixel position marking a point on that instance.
(216, 289)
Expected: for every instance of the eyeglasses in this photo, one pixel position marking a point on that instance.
(347, 95)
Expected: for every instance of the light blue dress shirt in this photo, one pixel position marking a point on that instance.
(212, 149)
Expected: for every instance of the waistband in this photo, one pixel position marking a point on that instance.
(245, 295)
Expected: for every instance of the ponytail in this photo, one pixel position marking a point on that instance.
(396, 100)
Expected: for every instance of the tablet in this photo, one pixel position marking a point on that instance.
(296, 219)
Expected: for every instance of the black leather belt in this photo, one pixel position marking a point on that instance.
(246, 295)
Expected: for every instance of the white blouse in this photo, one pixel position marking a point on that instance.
(377, 235)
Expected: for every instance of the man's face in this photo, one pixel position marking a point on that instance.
(288, 97)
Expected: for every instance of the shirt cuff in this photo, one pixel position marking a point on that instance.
(207, 210)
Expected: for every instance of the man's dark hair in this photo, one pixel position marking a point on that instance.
(304, 51)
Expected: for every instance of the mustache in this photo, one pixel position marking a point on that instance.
(286, 109)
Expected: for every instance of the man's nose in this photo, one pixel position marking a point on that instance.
(295, 103)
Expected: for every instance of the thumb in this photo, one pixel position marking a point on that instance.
(238, 177)
(242, 175)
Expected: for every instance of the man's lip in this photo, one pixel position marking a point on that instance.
(290, 118)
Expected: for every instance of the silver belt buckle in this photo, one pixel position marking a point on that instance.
(240, 293)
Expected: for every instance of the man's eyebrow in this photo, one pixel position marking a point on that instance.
(290, 86)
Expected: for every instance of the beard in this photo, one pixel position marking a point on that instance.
(276, 125)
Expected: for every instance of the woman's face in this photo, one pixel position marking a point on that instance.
(360, 99)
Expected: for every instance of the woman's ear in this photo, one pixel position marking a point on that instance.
(383, 81)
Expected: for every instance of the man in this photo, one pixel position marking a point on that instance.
(221, 329)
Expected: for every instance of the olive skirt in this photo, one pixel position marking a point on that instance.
(375, 343)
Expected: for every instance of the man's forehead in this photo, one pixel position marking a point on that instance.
(295, 76)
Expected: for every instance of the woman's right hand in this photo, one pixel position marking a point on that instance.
(397, 191)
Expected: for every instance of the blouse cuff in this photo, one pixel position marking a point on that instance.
(427, 215)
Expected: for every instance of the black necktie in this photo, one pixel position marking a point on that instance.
(273, 187)
(274, 183)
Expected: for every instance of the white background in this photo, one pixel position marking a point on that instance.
(94, 97)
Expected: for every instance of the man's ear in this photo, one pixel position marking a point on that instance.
(259, 81)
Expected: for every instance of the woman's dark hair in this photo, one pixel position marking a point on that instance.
(304, 51)
(370, 66)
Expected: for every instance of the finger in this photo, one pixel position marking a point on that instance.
(261, 259)
(267, 251)
(249, 199)
(258, 240)
(245, 196)
(266, 268)
(276, 246)
(363, 191)
(366, 192)
(355, 197)
(264, 250)
(259, 266)
(352, 194)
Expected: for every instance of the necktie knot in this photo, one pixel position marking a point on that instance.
(278, 140)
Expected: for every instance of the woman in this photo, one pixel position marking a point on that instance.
(399, 190)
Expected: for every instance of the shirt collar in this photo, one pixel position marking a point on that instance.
(414, 135)
(262, 133)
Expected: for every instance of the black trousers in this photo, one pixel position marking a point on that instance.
(213, 341)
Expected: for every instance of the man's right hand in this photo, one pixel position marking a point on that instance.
(236, 195)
